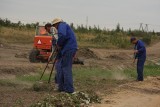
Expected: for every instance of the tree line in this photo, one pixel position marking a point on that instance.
(80, 28)
(7, 23)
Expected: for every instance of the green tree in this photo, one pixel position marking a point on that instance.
(118, 28)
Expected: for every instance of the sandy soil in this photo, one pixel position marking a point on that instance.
(134, 94)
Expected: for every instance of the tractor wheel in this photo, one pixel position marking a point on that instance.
(33, 56)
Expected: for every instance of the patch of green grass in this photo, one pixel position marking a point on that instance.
(149, 70)
(152, 70)
(33, 78)
(86, 72)
(78, 73)
(84, 77)
(6, 82)
(98, 78)
(131, 73)
(28, 78)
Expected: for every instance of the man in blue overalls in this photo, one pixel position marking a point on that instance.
(140, 54)
(67, 46)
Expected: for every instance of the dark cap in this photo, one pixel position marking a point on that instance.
(48, 25)
(132, 39)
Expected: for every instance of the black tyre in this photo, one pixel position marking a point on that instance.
(33, 56)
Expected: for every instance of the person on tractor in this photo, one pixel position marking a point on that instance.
(67, 46)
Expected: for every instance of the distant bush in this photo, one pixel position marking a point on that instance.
(147, 40)
(7, 23)
(117, 40)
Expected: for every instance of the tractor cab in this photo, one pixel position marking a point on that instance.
(42, 45)
(42, 39)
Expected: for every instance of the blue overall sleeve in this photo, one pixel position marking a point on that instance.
(135, 54)
(62, 34)
(141, 47)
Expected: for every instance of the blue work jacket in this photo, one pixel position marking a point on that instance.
(140, 46)
(66, 38)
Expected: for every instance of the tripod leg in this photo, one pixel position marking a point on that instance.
(51, 71)
(48, 63)
(44, 70)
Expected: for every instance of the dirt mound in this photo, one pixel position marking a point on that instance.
(115, 57)
(86, 53)
(118, 56)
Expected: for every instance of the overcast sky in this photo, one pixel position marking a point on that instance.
(105, 13)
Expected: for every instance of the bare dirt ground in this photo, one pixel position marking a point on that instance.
(134, 94)
(14, 61)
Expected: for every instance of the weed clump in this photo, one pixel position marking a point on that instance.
(39, 86)
(77, 99)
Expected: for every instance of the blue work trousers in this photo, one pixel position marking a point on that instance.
(140, 67)
(57, 68)
(64, 72)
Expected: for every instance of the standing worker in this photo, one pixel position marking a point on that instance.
(140, 54)
(67, 46)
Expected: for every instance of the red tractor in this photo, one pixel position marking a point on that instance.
(42, 46)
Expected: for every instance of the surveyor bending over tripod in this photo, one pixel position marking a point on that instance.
(67, 46)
